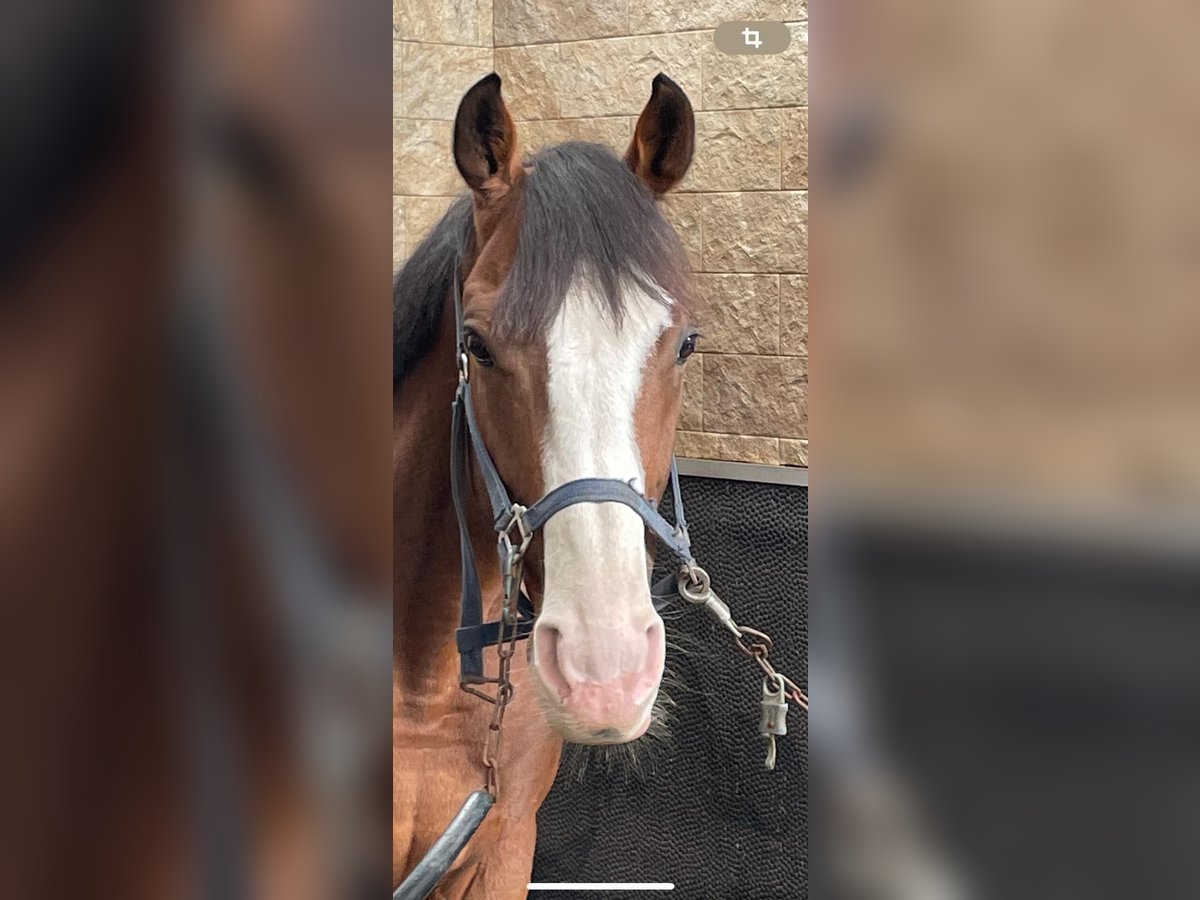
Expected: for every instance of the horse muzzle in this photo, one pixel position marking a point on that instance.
(599, 683)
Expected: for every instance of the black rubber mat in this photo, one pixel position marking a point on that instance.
(1051, 683)
(697, 808)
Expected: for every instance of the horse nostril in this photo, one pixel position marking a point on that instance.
(546, 640)
(656, 649)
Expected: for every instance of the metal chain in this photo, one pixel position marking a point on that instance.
(757, 648)
(505, 648)
(695, 587)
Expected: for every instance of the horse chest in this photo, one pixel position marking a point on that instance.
(437, 762)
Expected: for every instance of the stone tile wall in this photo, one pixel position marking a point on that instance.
(439, 49)
(581, 69)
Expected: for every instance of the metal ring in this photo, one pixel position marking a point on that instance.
(694, 584)
(761, 639)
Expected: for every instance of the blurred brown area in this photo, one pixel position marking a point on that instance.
(1011, 293)
(194, 465)
(1003, 333)
(82, 314)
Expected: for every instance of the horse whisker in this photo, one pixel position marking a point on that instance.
(635, 758)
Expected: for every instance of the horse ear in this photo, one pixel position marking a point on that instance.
(665, 137)
(485, 138)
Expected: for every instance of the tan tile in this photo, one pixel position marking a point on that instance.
(795, 10)
(793, 315)
(538, 22)
(422, 161)
(727, 447)
(612, 131)
(795, 148)
(763, 395)
(739, 313)
(460, 22)
(612, 77)
(399, 250)
(736, 150)
(691, 416)
(755, 232)
(531, 80)
(683, 212)
(397, 81)
(746, 82)
(794, 406)
(435, 77)
(646, 16)
(793, 453)
(421, 214)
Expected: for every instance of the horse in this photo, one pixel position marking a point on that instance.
(577, 322)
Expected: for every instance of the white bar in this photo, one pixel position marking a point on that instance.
(734, 471)
(601, 886)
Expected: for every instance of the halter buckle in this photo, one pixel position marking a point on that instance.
(515, 517)
(464, 372)
(511, 557)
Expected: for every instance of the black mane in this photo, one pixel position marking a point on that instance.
(422, 285)
(582, 210)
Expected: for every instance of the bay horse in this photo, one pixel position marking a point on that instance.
(577, 323)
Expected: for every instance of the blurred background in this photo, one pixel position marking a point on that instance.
(1005, 551)
(194, 468)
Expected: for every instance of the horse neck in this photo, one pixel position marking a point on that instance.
(426, 559)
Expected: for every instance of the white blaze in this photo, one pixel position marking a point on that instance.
(595, 553)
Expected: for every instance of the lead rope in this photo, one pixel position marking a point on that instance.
(695, 586)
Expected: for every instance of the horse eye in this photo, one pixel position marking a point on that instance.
(478, 349)
(687, 348)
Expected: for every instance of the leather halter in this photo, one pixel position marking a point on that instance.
(511, 519)
(515, 525)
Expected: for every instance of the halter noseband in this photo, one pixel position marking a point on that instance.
(515, 525)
